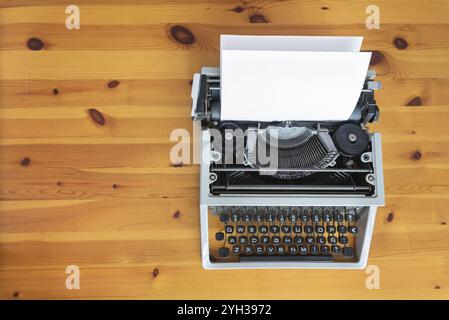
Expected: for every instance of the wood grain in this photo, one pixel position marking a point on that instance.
(97, 188)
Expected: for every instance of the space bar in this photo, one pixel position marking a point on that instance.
(285, 258)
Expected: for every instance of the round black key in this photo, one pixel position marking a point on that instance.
(325, 249)
(281, 217)
(310, 240)
(223, 252)
(252, 229)
(304, 217)
(316, 217)
(271, 249)
(274, 229)
(286, 229)
(350, 217)
(229, 229)
(240, 228)
(298, 240)
(308, 229)
(336, 249)
(348, 252)
(343, 240)
(259, 249)
(319, 229)
(332, 240)
(327, 217)
(292, 249)
(331, 229)
(338, 217)
(280, 249)
(297, 229)
(243, 240)
(287, 240)
(342, 229)
(235, 217)
(258, 217)
(276, 240)
(292, 217)
(232, 239)
(248, 249)
(265, 239)
(224, 217)
(303, 249)
(269, 217)
(236, 249)
(254, 240)
(246, 217)
(263, 229)
(314, 249)
(219, 236)
(321, 240)
(353, 229)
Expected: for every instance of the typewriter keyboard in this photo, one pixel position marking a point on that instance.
(283, 233)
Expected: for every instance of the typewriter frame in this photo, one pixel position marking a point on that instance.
(366, 223)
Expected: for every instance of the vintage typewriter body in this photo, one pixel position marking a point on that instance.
(316, 210)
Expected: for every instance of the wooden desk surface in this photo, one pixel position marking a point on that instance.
(106, 197)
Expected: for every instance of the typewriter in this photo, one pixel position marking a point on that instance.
(316, 209)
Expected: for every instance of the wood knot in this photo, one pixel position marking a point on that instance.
(25, 162)
(55, 91)
(437, 287)
(238, 9)
(325, 8)
(112, 84)
(178, 164)
(155, 272)
(16, 294)
(400, 43)
(176, 214)
(97, 116)
(443, 223)
(417, 155)
(59, 183)
(376, 58)
(258, 18)
(114, 186)
(182, 35)
(415, 102)
(35, 44)
(390, 217)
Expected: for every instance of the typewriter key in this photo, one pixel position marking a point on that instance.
(353, 229)
(223, 252)
(336, 249)
(232, 239)
(240, 228)
(298, 240)
(252, 229)
(343, 240)
(303, 249)
(348, 252)
(236, 249)
(286, 229)
(219, 236)
(229, 229)
(270, 249)
(314, 249)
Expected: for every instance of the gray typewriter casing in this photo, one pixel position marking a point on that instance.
(207, 200)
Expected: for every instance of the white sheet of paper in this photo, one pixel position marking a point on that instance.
(262, 85)
(291, 43)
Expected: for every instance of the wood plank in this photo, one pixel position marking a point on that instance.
(333, 12)
(113, 36)
(176, 93)
(54, 65)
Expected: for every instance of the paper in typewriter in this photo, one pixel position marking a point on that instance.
(291, 78)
